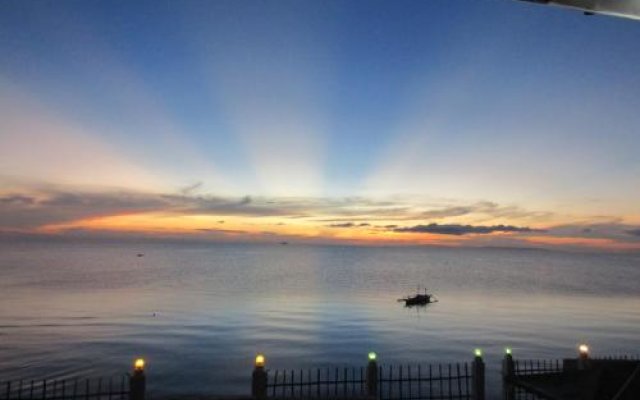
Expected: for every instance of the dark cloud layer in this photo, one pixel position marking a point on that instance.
(455, 229)
(349, 225)
(345, 225)
(30, 211)
(17, 200)
(223, 231)
(634, 232)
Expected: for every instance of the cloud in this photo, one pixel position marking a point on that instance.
(17, 199)
(488, 208)
(612, 229)
(37, 206)
(45, 207)
(345, 225)
(634, 232)
(223, 231)
(455, 229)
(187, 190)
(349, 225)
(447, 212)
(54, 208)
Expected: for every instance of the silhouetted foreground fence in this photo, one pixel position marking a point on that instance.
(422, 382)
(610, 378)
(576, 378)
(123, 387)
(448, 381)
(112, 388)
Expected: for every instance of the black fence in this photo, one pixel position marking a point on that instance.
(537, 367)
(112, 388)
(317, 383)
(612, 377)
(607, 378)
(418, 382)
(429, 382)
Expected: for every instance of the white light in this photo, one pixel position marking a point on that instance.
(138, 365)
(583, 349)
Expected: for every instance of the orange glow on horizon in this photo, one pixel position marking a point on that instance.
(159, 224)
(270, 229)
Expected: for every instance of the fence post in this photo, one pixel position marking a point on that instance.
(259, 379)
(508, 373)
(478, 376)
(137, 381)
(372, 375)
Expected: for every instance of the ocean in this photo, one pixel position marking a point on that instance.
(199, 313)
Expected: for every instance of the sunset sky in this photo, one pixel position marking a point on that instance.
(477, 122)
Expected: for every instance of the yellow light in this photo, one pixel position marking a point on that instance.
(583, 349)
(507, 351)
(138, 365)
(260, 360)
(478, 352)
(372, 356)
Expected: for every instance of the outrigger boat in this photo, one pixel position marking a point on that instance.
(419, 299)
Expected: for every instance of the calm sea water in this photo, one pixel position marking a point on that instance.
(199, 313)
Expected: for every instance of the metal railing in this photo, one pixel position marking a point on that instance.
(460, 381)
(522, 380)
(537, 367)
(111, 388)
(418, 382)
(317, 383)
(549, 379)
(429, 382)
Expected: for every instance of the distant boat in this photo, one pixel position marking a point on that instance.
(419, 299)
(284, 243)
(140, 254)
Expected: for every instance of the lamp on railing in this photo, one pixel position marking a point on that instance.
(259, 378)
(478, 375)
(583, 356)
(372, 374)
(138, 365)
(508, 367)
(137, 381)
(583, 351)
(508, 373)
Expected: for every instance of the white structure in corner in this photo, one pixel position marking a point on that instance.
(618, 8)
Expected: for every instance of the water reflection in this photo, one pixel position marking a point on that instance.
(198, 315)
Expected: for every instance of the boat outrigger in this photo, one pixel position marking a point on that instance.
(419, 299)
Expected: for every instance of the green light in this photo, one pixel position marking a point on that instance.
(372, 356)
(507, 351)
(478, 352)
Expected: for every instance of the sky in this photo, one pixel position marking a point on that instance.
(444, 122)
